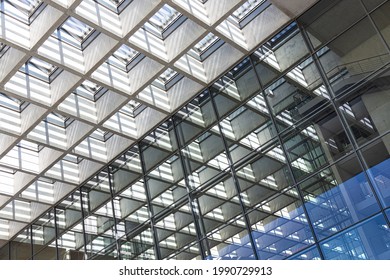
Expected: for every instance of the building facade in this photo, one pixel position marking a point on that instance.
(195, 129)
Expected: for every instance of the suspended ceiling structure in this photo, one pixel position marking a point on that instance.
(82, 82)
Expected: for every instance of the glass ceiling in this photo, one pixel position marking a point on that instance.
(246, 12)
(205, 47)
(22, 10)
(205, 43)
(89, 90)
(159, 23)
(40, 69)
(74, 32)
(122, 57)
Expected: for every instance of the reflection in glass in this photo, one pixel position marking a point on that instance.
(352, 56)
(338, 197)
(309, 254)
(280, 227)
(377, 157)
(367, 241)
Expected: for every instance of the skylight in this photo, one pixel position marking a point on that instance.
(76, 33)
(167, 75)
(167, 79)
(246, 8)
(123, 57)
(90, 90)
(23, 10)
(59, 120)
(40, 69)
(132, 108)
(206, 46)
(12, 103)
(160, 23)
(246, 12)
(207, 41)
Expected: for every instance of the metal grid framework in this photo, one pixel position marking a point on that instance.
(121, 139)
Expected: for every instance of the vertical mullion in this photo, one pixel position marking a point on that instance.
(116, 235)
(197, 218)
(288, 164)
(149, 203)
(234, 177)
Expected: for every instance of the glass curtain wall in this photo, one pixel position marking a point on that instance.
(285, 156)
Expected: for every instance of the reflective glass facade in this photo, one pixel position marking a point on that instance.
(210, 144)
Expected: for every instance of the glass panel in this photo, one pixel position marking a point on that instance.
(371, 4)
(88, 90)
(158, 145)
(48, 253)
(280, 227)
(353, 55)
(219, 204)
(381, 19)
(40, 69)
(101, 247)
(191, 253)
(128, 174)
(135, 215)
(239, 83)
(70, 246)
(263, 64)
(139, 247)
(167, 79)
(248, 128)
(205, 158)
(328, 18)
(230, 242)
(4, 252)
(321, 141)
(43, 234)
(367, 241)
(366, 108)
(338, 197)
(69, 212)
(264, 177)
(284, 49)
(175, 231)
(21, 246)
(377, 157)
(194, 118)
(309, 254)
(205, 43)
(291, 103)
(166, 184)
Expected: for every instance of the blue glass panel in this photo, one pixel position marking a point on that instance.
(229, 243)
(332, 204)
(367, 241)
(283, 232)
(380, 175)
(309, 254)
